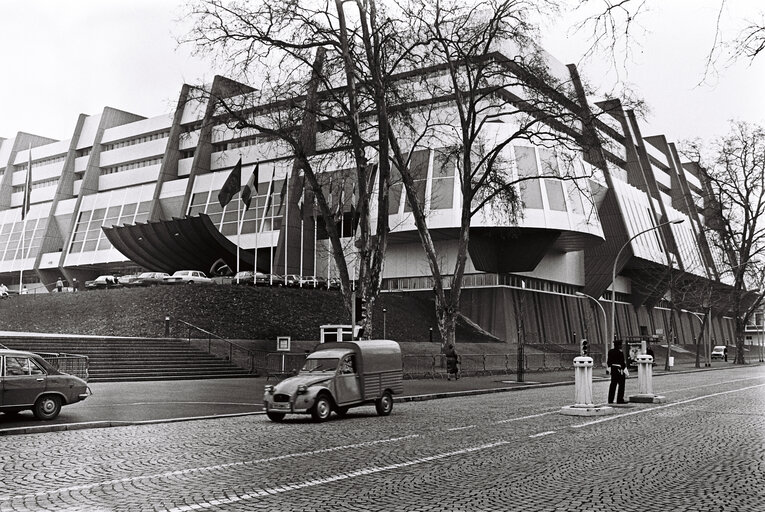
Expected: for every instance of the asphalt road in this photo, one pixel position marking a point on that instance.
(702, 450)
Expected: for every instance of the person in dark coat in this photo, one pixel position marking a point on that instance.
(618, 367)
(452, 363)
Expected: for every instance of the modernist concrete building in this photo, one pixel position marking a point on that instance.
(124, 193)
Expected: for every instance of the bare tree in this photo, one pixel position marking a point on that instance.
(278, 45)
(489, 86)
(734, 203)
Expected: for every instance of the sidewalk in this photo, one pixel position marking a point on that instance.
(135, 403)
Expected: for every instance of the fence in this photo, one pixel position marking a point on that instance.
(72, 364)
(421, 365)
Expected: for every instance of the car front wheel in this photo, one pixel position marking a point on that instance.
(384, 404)
(321, 409)
(47, 407)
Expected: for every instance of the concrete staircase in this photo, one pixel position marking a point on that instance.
(114, 359)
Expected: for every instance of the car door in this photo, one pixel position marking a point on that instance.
(23, 381)
(347, 381)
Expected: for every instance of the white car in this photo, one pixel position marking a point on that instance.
(188, 277)
(720, 352)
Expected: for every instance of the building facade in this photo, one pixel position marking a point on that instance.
(114, 199)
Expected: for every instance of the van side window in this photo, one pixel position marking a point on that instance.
(349, 365)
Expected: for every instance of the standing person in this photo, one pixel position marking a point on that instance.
(618, 373)
(3, 291)
(75, 284)
(60, 285)
(452, 363)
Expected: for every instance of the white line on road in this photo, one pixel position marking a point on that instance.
(542, 434)
(673, 404)
(201, 469)
(520, 418)
(461, 428)
(258, 493)
(711, 384)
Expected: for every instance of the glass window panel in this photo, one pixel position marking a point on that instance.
(196, 210)
(419, 170)
(200, 198)
(531, 190)
(230, 216)
(79, 235)
(575, 198)
(89, 245)
(228, 228)
(394, 193)
(215, 218)
(98, 215)
(214, 208)
(444, 164)
(104, 244)
(128, 210)
(442, 195)
(555, 195)
(144, 207)
(141, 217)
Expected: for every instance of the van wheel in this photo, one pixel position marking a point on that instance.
(275, 416)
(321, 409)
(384, 404)
(47, 407)
(342, 411)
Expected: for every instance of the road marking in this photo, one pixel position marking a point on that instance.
(461, 428)
(673, 404)
(259, 493)
(128, 404)
(202, 469)
(541, 434)
(527, 417)
(712, 384)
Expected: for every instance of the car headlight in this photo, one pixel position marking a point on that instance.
(269, 388)
(302, 389)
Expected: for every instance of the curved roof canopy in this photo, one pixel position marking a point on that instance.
(191, 243)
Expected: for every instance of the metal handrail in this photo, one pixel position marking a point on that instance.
(232, 347)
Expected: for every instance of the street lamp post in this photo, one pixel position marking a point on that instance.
(384, 313)
(698, 316)
(605, 322)
(613, 274)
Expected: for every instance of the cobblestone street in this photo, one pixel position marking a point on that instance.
(702, 450)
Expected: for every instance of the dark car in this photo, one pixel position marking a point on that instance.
(29, 382)
(149, 279)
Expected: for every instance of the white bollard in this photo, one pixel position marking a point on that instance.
(645, 381)
(583, 381)
(583, 405)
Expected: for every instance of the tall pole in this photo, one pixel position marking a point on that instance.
(698, 316)
(605, 325)
(613, 274)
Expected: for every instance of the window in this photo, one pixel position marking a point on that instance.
(418, 167)
(442, 190)
(531, 190)
(553, 186)
(18, 366)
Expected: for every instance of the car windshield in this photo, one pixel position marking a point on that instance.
(320, 365)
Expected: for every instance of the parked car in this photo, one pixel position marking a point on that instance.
(274, 280)
(313, 282)
(188, 277)
(720, 352)
(338, 376)
(105, 281)
(29, 382)
(128, 280)
(149, 279)
(292, 280)
(333, 283)
(244, 277)
(262, 279)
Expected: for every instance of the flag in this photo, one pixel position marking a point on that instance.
(341, 200)
(252, 184)
(231, 187)
(300, 203)
(268, 198)
(354, 219)
(27, 188)
(283, 193)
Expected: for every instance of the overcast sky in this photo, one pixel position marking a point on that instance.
(63, 58)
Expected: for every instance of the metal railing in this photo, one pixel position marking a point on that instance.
(73, 364)
(434, 365)
(253, 361)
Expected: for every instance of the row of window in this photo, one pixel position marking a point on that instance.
(11, 247)
(138, 140)
(39, 184)
(88, 235)
(132, 165)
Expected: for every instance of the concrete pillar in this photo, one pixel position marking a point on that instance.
(645, 381)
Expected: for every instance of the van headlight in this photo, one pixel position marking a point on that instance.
(301, 389)
(269, 389)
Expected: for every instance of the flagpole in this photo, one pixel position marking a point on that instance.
(25, 204)
(286, 220)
